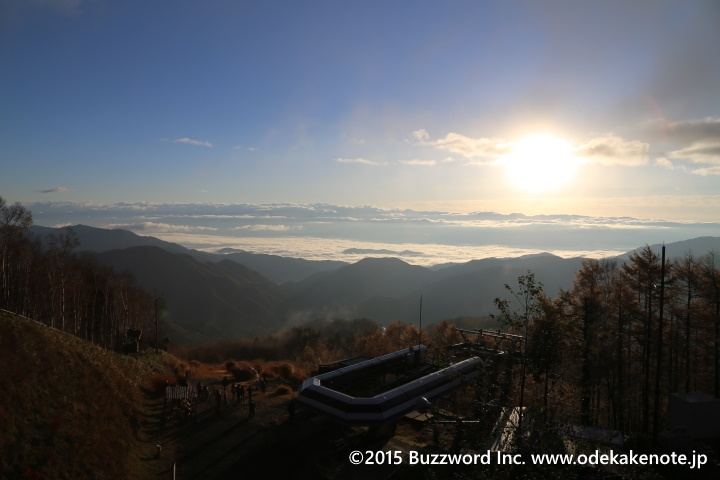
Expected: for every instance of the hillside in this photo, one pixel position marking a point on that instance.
(274, 267)
(697, 246)
(102, 239)
(206, 301)
(389, 289)
(73, 410)
(366, 278)
(210, 297)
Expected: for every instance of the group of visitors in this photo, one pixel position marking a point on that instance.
(239, 395)
(203, 392)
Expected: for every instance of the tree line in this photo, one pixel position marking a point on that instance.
(49, 283)
(610, 350)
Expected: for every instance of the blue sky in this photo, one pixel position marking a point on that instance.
(600, 109)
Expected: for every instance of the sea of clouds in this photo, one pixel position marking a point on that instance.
(350, 233)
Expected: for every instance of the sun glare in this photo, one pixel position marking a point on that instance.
(540, 163)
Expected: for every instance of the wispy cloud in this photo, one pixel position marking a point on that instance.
(361, 161)
(356, 140)
(54, 190)
(608, 150)
(270, 228)
(382, 251)
(694, 131)
(421, 163)
(190, 141)
(707, 171)
(281, 216)
(613, 150)
(468, 147)
(161, 227)
(700, 152)
(664, 162)
(699, 142)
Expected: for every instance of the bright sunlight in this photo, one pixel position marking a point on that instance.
(540, 163)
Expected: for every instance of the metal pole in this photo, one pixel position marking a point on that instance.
(420, 332)
(157, 349)
(658, 370)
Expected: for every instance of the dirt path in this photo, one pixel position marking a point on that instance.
(233, 444)
(211, 443)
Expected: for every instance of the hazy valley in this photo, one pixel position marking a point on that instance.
(219, 296)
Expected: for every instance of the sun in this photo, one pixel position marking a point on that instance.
(540, 163)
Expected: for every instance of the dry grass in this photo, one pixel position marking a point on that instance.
(242, 371)
(282, 390)
(70, 409)
(287, 371)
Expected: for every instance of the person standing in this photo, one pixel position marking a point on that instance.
(218, 401)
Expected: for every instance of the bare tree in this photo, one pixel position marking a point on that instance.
(14, 222)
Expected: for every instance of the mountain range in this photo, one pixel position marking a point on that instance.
(229, 294)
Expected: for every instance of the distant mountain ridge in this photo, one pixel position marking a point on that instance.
(101, 239)
(388, 290)
(206, 301)
(213, 297)
(278, 269)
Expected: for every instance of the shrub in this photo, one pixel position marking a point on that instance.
(299, 375)
(282, 390)
(258, 365)
(244, 372)
(283, 369)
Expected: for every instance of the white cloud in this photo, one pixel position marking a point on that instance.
(422, 163)
(421, 135)
(190, 141)
(699, 152)
(361, 161)
(612, 150)
(707, 171)
(608, 150)
(269, 228)
(466, 146)
(694, 131)
(697, 141)
(161, 227)
(664, 162)
(54, 190)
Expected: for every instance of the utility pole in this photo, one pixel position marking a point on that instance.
(658, 369)
(420, 330)
(157, 348)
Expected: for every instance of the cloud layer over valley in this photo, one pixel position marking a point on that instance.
(336, 232)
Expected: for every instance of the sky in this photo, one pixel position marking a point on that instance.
(270, 125)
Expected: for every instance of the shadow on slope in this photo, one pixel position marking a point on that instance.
(72, 410)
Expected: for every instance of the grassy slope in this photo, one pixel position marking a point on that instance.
(67, 407)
